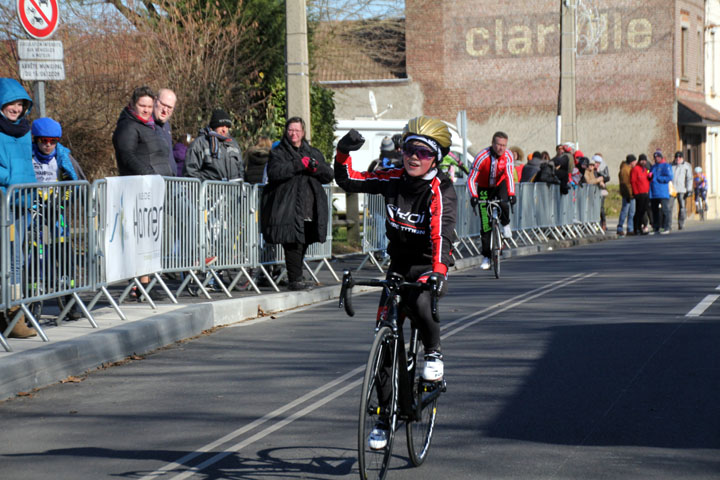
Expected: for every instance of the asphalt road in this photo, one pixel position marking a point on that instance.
(577, 364)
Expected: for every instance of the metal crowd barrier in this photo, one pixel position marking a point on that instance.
(181, 250)
(225, 239)
(45, 255)
(322, 252)
(374, 241)
(540, 214)
(53, 237)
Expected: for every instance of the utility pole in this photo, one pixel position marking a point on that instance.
(567, 117)
(297, 71)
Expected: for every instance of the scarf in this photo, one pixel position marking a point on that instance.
(150, 122)
(41, 157)
(14, 129)
(214, 140)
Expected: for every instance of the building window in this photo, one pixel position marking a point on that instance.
(700, 63)
(711, 59)
(684, 37)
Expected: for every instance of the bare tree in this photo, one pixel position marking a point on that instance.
(360, 29)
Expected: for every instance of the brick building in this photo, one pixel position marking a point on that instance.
(711, 165)
(639, 86)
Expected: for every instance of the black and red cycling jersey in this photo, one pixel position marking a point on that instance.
(420, 211)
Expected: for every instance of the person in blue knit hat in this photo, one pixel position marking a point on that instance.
(52, 163)
(51, 159)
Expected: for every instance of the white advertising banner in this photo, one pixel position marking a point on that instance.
(133, 238)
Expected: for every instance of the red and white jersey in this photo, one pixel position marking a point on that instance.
(489, 171)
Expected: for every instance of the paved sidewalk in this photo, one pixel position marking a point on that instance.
(75, 347)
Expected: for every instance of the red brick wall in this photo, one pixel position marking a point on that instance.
(499, 59)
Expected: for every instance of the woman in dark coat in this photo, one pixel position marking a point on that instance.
(139, 150)
(294, 205)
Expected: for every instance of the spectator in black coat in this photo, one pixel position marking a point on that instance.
(139, 150)
(531, 169)
(294, 206)
(256, 159)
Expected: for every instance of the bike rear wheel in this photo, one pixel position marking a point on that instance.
(701, 209)
(419, 431)
(373, 463)
(496, 246)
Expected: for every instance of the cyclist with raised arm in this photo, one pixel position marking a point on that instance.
(491, 177)
(421, 208)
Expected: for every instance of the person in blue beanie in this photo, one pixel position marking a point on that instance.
(51, 159)
(52, 162)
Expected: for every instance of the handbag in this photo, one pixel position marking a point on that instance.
(671, 189)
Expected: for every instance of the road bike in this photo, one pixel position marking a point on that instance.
(496, 241)
(392, 373)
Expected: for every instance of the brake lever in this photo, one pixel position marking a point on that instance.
(346, 294)
(434, 296)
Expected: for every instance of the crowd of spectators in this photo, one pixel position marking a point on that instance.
(650, 190)
(144, 145)
(294, 210)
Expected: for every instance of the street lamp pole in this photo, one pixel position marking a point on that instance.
(566, 122)
(297, 71)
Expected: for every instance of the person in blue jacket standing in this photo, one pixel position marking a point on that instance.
(15, 143)
(15, 167)
(662, 175)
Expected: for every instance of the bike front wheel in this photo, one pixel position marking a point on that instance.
(374, 463)
(496, 248)
(419, 431)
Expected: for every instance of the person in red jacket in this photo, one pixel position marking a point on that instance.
(640, 183)
(491, 177)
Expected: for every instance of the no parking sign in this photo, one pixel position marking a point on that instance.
(39, 18)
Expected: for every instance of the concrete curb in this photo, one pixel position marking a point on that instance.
(43, 366)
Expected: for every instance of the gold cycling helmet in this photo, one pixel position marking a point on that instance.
(431, 131)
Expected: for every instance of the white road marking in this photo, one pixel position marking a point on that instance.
(702, 306)
(182, 470)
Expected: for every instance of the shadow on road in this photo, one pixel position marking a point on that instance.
(637, 384)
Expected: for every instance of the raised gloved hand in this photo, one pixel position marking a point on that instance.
(513, 200)
(310, 164)
(350, 142)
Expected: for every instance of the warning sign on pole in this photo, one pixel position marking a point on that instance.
(39, 18)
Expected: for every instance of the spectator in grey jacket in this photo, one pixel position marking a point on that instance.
(683, 183)
(214, 155)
